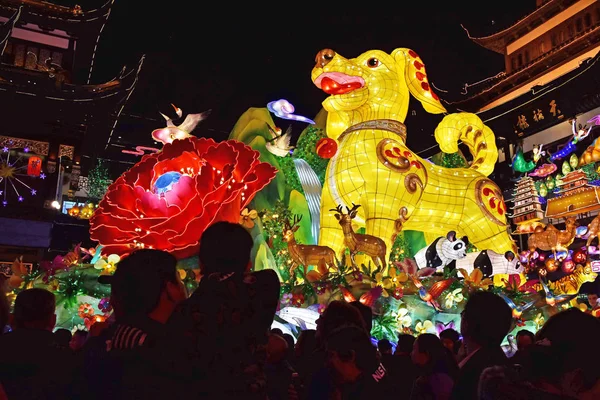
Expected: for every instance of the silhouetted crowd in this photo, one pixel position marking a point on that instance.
(160, 343)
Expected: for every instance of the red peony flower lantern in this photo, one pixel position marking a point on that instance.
(326, 148)
(169, 198)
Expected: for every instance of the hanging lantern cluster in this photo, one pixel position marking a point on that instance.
(82, 211)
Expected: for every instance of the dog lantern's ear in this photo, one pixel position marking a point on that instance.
(413, 69)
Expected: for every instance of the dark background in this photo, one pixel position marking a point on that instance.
(228, 58)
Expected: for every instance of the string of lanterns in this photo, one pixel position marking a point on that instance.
(82, 211)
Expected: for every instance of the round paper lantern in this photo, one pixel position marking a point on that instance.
(87, 211)
(73, 211)
(551, 265)
(326, 148)
(580, 256)
(568, 266)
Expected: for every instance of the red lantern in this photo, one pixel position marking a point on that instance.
(580, 257)
(568, 266)
(326, 148)
(34, 167)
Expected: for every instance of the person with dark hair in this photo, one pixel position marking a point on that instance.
(62, 337)
(144, 357)
(486, 320)
(338, 313)
(291, 356)
(385, 347)
(437, 369)
(78, 340)
(229, 316)
(405, 345)
(305, 347)
(278, 370)
(451, 340)
(367, 314)
(353, 365)
(225, 248)
(32, 366)
(402, 371)
(525, 339)
(562, 364)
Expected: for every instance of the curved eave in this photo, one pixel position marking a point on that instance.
(7, 27)
(497, 41)
(39, 13)
(115, 88)
(530, 71)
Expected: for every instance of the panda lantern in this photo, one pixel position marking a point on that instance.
(444, 251)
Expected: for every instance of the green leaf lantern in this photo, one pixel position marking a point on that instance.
(566, 168)
(550, 184)
(543, 190)
(558, 180)
(573, 161)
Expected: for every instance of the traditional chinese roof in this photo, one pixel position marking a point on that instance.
(525, 196)
(573, 176)
(40, 84)
(498, 41)
(7, 27)
(502, 83)
(585, 200)
(43, 13)
(570, 94)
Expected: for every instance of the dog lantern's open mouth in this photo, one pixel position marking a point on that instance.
(335, 83)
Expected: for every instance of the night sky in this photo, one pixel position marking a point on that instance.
(202, 59)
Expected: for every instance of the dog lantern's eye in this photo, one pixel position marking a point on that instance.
(373, 62)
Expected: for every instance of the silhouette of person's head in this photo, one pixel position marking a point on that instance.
(569, 349)
(450, 339)
(62, 337)
(384, 346)
(78, 340)
(34, 309)
(336, 314)
(350, 353)
(486, 319)
(277, 349)
(145, 282)
(225, 247)
(430, 354)
(306, 343)
(405, 344)
(366, 312)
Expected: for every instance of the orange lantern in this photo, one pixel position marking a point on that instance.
(74, 211)
(34, 167)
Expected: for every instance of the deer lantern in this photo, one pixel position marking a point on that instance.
(303, 254)
(370, 245)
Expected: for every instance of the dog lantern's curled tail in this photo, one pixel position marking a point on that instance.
(469, 129)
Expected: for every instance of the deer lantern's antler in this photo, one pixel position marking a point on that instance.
(338, 209)
(297, 219)
(354, 208)
(286, 225)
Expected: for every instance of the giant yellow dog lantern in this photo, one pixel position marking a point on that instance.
(367, 106)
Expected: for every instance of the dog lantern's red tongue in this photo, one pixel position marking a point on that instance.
(330, 86)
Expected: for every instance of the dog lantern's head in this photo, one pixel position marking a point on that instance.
(372, 86)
